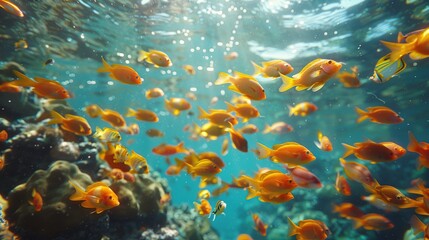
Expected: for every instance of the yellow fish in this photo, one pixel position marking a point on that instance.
(155, 57)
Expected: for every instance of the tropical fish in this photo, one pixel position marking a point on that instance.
(112, 117)
(416, 45)
(390, 195)
(348, 210)
(349, 80)
(176, 105)
(121, 73)
(71, 123)
(385, 69)
(97, 195)
(152, 132)
(379, 114)
(371, 151)
(224, 149)
(209, 131)
(107, 135)
(137, 163)
(278, 128)
(248, 129)
(155, 57)
(260, 226)
(131, 129)
(245, 111)
(238, 141)
(11, 8)
(142, 115)
(373, 221)
(204, 194)
(272, 182)
(358, 172)
(302, 109)
(380, 204)
(243, 84)
(204, 208)
(189, 69)
(167, 150)
(93, 110)
(273, 68)
(3, 135)
(324, 142)
(291, 153)
(309, 229)
(36, 201)
(204, 168)
(42, 87)
(174, 170)
(418, 226)
(303, 177)
(219, 209)
(312, 77)
(421, 148)
(120, 153)
(218, 117)
(342, 186)
(154, 93)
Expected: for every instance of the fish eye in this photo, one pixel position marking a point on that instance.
(110, 197)
(137, 77)
(329, 62)
(307, 152)
(290, 181)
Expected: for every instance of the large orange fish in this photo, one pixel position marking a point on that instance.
(112, 117)
(71, 123)
(273, 68)
(272, 182)
(309, 229)
(371, 151)
(324, 142)
(260, 226)
(391, 195)
(218, 117)
(312, 77)
(11, 8)
(97, 195)
(303, 177)
(379, 114)
(121, 73)
(167, 150)
(421, 148)
(416, 44)
(243, 84)
(245, 111)
(291, 153)
(373, 221)
(42, 87)
(204, 168)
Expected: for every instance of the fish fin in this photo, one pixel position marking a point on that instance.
(96, 184)
(319, 135)
(342, 162)
(293, 228)
(243, 75)
(181, 148)
(203, 114)
(222, 78)
(417, 56)
(291, 110)
(79, 194)
(399, 49)
(414, 144)
(358, 223)
(131, 113)
(258, 69)
(197, 206)
(245, 120)
(362, 115)
(318, 145)
(99, 210)
(301, 88)
(267, 129)
(229, 107)
(105, 68)
(98, 132)
(316, 87)
(23, 81)
(288, 83)
(349, 150)
(234, 89)
(262, 151)
(56, 118)
(252, 193)
(417, 225)
(142, 55)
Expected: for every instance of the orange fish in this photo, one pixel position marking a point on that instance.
(291, 153)
(373, 221)
(121, 73)
(112, 117)
(189, 69)
(418, 227)
(212, 180)
(371, 151)
(132, 129)
(3, 136)
(302, 109)
(245, 111)
(390, 195)
(176, 105)
(142, 115)
(137, 163)
(309, 229)
(10, 88)
(324, 142)
(204, 168)
(37, 200)
(278, 128)
(204, 208)
(231, 56)
(154, 93)
(97, 195)
(421, 148)
(240, 100)
(357, 172)
(397, 150)
(416, 44)
(380, 204)
(11, 8)
(303, 177)
(312, 77)
(218, 117)
(71, 123)
(272, 182)
(243, 84)
(238, 141)
(260, 226)
(273, 68)
(167, 150)
(270, 197)
(244, 237)
(342, 186)
(349, 80)
(155, 57)
(42, 87)
(248, 129)
(348, 210)
(209, 131)
(379, 114)
(93, 110)
(154, 133)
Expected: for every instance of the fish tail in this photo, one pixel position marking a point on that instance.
(222, 78)
(229, 107)
(399, 49)
(267, 129)
(252, 193)
(181, 148)
(142, 55)
(98, 132)
(342, 162)
(258, 69)
(417, 225)
(56, 118)
(288, 83)
(293, 228)
(262, 151)
(197, 206)
(414, 144)
(131, 112)
(362, 115)
(203, 114)
(319, 135)
(105, 68)
(23, 81)
(79, 194)
(318, 145)
(251, 181)
(349, 150)
(358, 223)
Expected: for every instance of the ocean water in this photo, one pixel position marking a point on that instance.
(76, 34)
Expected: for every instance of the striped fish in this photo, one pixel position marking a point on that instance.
(385, 69)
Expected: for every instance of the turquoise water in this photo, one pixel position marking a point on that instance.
(76, 34)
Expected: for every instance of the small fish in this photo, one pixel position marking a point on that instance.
(309, 229)
(324, 143)
(243, 84)
(278, 128)
(154, 93)
(11, 8)
(248, 129)
(291, 153)
(71, 123)
(36, 201)
(303, 177)
(373, 221)
(137, 163)
(189, 69)
(245, 111)
(349, 80)
(3, 135)
(380, 204)
(260, 226)
(219, 209)
(204, 208)
(142, 115)
(155, 57)
(167, 150)
(93, 110)
(191, 96)
(379, 114)
(342, 186)
(112, 117)
(121, 73)
(272, 182)
(224, 149)
(204, 194)
(391, 195)
(231, 56)
(371, 151)
(49, 61)
(21, 44)
(204, 168)
(385, 69)
(219, 117)
(107, 135)
(97, 195)
(213, 157)
(312, 77)
(238, 141)
(421, 148)
(302, 109)
(348, 210)
(154, 133)
(273, 68)
(42, 87)
(357, 172)
(176, 105)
